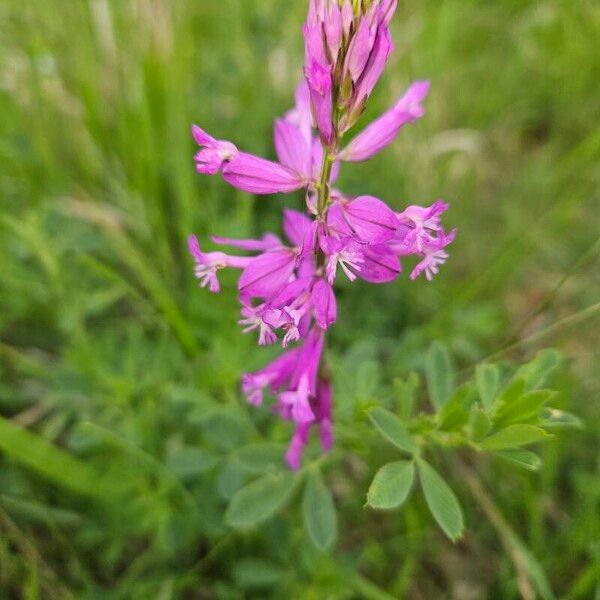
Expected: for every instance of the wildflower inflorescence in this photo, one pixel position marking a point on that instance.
(286, 289)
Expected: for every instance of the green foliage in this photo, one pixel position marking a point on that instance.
(477, 414)
(320, 517)
(259, 500)
(391, 429)
(440, 374)
(124, 438)
(441, 500)
(391, 485)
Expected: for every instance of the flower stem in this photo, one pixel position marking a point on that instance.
(324, 196)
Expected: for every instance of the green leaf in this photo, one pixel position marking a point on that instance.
(523, 408)
(440, 374)
(231, 478)
(514, 435)
(536, 372)
(188, 461)
(511, 393)
(261, 457)
(48, 460)
(455, 413)
(390, 426)
(554, 418)
(479, 424)
(320, 517)
(391, 485)
(487, 378)
(406, 391)
(260, 500)
(441, 500)
(520, 456)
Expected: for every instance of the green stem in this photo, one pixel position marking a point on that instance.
(324, 196)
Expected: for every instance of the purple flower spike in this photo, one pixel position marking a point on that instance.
(287, 292)
(382, 132)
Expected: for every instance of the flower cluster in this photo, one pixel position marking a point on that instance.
(286, 288)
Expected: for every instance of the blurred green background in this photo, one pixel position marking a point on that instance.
(115, 363)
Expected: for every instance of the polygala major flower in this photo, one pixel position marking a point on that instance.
(286, 287)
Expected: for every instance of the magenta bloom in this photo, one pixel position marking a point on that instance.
(286, 286)
(382, 132)
(213, 153)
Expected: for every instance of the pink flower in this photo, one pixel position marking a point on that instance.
(213, 153)
(299, 441)
(434, 255)
(259, 176)
(274, 376)
(382, 47)
(380, 264)
(267, 242)
(208, 263)
(382, 132)
(320, 84)
(293, 149)
(266, 274)
(366, 218)
(296, 402)
(324, 303)
(418, 224)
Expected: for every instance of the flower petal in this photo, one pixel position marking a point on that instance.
(382, 132)
(267, 273)
(260, 176)
(293, 149)
(370, 219)
(380, 265)
(325, 306)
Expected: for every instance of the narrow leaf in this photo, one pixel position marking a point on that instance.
(48, 460)
(320, 517)
(479, 424)
(259, 500)
(390, 426)
(513, 436)
(391, 485)
(455, 413)
(440, 374)
(537, 371)
(523, 408)
(487, 378)
(511, 393)
(406, 392)
(524, 458)
(441, 500)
